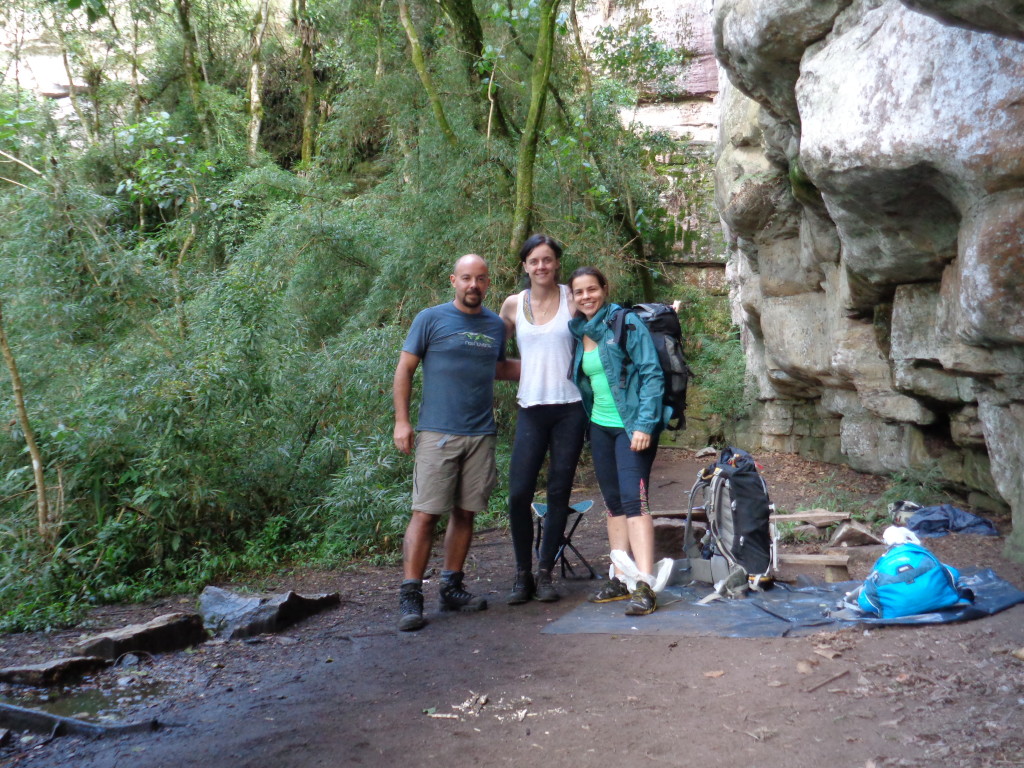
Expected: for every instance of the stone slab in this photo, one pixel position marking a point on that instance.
(53, 672)
(231, 616)
(170, 632)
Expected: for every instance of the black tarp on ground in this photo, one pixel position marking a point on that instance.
(929, 522)
(783, 610)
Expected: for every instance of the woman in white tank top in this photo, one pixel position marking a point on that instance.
(550, 419)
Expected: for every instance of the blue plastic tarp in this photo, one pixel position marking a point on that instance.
(783, 610)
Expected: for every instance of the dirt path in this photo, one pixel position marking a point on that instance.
(344, 688)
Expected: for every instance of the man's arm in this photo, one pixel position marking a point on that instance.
(401, 394)
(507, 370)
(508, 315)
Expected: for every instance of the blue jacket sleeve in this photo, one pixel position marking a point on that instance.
(644, 357)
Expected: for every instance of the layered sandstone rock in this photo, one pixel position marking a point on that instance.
(871, 181)
(687, 108)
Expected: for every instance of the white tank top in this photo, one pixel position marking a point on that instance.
(544, 351)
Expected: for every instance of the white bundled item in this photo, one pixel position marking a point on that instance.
(733, 586)
(631, 574)
(894, 535)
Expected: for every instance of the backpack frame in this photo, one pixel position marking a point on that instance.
(740, 535)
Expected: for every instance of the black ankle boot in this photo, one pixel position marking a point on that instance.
(522, 590)
(455, 597)
(545, 592)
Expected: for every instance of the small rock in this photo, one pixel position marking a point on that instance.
(808, 532)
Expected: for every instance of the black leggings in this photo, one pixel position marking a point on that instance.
(542, 428)
(623, 474)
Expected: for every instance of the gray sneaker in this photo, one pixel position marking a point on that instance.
(454, 596)
(643, 600)
(410, 604)
(613, 589)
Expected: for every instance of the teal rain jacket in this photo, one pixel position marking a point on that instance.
(639, 402)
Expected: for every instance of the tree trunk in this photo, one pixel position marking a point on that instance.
(46, 531)
(539, 77)
(136, 89)
(588, 84)
(306, 33)
(470, 36)
(190, 63)
(76, 105)
(419, 62)
(256, 78)
(179, 298)
(469, 33)
(378, 71)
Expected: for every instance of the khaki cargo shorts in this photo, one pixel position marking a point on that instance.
(453, 471)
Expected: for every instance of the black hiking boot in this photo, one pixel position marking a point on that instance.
(522, 590)
(410, 604)
(454, 596)
(643, 600)
(545, 592)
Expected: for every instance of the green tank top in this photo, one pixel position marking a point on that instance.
(604, 412)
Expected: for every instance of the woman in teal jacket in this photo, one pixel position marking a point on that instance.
(622, 388)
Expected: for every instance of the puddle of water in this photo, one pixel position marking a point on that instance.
(90, 702)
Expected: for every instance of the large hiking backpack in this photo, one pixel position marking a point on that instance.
(739, 547)
(909, 579)
(663, 323)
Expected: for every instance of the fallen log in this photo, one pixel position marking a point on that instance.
(24, 719)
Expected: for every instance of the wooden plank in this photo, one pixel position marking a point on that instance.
(698, 513)
(802, 559)
(836, 566)
(816, 517)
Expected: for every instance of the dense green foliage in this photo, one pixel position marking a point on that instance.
(206, 337)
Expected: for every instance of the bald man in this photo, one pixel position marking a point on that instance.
(461, 345)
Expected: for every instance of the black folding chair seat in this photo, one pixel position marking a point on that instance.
(578, 509)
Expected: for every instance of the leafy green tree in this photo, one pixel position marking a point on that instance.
(540, 75)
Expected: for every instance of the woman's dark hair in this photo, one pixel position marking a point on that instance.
(535, 240)
(593, 272)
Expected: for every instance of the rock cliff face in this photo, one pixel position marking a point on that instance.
(871, 182)
(687, 108)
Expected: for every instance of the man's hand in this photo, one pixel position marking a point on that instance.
(404, 436)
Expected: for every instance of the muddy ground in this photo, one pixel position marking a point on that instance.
(343, 688)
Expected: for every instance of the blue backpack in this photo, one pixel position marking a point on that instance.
(908, 580)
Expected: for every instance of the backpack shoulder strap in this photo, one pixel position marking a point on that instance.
(619, 331)
(619, 326)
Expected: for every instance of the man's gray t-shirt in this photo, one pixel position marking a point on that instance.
(459, 351)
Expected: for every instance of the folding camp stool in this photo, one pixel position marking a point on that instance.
(578, 509)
